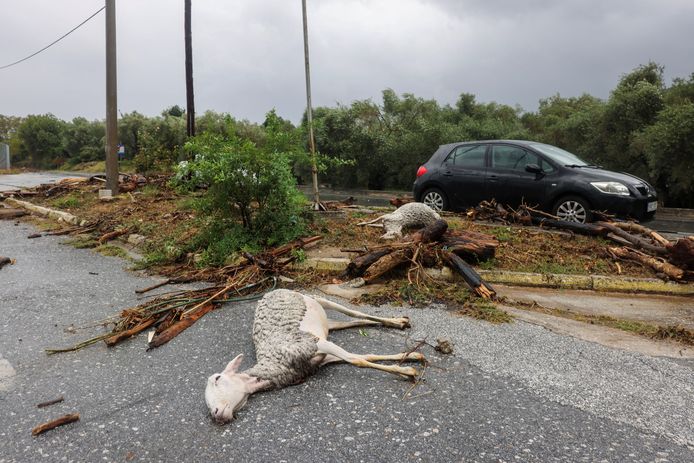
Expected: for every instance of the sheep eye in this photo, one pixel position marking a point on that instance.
(217, 378)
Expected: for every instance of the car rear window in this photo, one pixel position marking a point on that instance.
(468, 156)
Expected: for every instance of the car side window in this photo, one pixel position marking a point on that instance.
(505, 157)
(468, 156)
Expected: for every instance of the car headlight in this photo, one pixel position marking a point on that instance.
(611, 188)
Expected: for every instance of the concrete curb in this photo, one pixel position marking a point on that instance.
(550, 280)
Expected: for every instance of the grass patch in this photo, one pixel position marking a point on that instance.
(485, 310)
(67, 202)
(663, 332)
(82, 242)
(110, 250)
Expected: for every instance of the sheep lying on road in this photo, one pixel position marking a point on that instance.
(290, 335)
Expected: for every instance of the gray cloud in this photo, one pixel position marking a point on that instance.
(248, 54)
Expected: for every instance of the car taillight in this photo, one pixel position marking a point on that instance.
(421, 171)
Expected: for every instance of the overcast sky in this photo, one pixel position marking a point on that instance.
(248, 54)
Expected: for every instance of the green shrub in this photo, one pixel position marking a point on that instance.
(251, 198)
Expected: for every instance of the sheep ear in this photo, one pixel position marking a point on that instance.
(234, 365)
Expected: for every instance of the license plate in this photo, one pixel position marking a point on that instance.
(652, 206)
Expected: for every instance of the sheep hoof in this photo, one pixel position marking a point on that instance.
(401, 322)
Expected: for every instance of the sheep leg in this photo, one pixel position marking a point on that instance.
(327, 347)
(402, 357)
(402, 322)
(334, 325)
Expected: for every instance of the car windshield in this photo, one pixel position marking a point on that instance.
(559, 155)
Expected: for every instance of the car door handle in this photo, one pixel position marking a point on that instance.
(448, 173)
(492, 178)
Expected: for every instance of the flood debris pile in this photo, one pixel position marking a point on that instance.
(673, 260)
(432, 246)
(168, 315)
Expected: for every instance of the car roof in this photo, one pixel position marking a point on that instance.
(473, 142)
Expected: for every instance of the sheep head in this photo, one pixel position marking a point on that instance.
(228, 391)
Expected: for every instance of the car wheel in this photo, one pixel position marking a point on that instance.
(435, 199)
(572, 209)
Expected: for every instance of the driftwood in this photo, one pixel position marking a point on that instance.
(430, 233)
(682, 253)
(50, 402)
(336, 205)
(180, 326)
(580, 228)
(63, 420)
(387, 263)
(359, 264)
(656, 264)
(636, 241)
(637, 228)
(112, 235)
(7, 213)
(421, 249)
(400, 200)
(5, 261)
(471, 277)
(154, 286)
(123, 335)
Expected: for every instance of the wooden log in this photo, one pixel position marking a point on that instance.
(636, 241)
(7, 213)
(359, 264)
(580, 228)
(682, 253)
(123, 335)
(400, 200)
(640, 229)
(63, 420)
(387, 263)
(471, 277)
(656, 264)
(154, 286)
(112, 235)
(5, 261)
(180, 326)
(44, 211)
(430, 233)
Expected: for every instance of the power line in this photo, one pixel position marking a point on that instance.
(55, 41)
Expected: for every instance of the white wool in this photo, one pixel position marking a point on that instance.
(410, 215)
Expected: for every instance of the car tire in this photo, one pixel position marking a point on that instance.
(572, 209)
(435, 199)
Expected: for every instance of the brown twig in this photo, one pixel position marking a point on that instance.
(50, 402)
(63, 420)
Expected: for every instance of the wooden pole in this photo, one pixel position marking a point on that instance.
(111, 100)
(309, 114)
(190, 100)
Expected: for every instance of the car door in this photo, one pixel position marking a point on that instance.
(507, 179)
(463, 173)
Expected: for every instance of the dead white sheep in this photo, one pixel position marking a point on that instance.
(410, 215)
(290, 335)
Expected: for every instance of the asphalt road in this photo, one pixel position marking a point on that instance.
(509, 393)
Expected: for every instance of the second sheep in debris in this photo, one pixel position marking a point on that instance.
(410, 215)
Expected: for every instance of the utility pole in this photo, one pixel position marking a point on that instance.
(190, 101)
(309, 116)
(111, 104)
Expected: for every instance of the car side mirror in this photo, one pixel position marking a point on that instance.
(533, 168)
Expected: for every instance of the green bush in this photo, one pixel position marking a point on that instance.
(251, 197)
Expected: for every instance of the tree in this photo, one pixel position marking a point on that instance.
(84, 140)
(42, 140)
(668, 145)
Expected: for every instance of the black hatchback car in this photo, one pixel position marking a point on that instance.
(460, 175)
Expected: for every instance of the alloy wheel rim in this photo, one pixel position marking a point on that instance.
(572, 211)
(434, 200)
